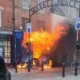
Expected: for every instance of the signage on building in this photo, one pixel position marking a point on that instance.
(28, 28)
(77, 26)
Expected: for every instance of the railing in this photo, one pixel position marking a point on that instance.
(73, 65)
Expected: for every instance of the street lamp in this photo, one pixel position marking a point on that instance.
(76, 64)
(77, 47)
(13, 25)
(29, 44)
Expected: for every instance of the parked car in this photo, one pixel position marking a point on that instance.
(4, 73)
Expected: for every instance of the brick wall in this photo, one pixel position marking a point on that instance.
(6, 12)
(19, 13)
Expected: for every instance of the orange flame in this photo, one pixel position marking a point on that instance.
(42, 41)
(19, 66)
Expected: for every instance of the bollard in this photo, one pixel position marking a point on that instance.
(28, 69)
(42, 67)
(16, 67)
(63, 70)
(76, 65)
(28, 66)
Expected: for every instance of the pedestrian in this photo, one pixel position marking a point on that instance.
(4, 73)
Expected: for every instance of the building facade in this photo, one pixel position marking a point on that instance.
(40, 20)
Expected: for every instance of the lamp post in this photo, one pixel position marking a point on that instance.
(77, 47)
(29, 30)
(13, 19)
(13, 25)
(76, 64)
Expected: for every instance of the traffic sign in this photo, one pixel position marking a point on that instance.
(28, 27)
(77, 26)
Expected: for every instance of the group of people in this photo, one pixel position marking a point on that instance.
(4, 73)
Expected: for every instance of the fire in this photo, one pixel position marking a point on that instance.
(42, 41)
(21, 66)
(47, 66)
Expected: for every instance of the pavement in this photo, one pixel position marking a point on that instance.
(47, 74)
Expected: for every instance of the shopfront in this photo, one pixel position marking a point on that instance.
(5, 45)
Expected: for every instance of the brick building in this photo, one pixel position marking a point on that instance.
(22, 14)
(41, 19)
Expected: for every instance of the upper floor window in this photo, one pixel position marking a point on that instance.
(25, 4)
(43, 10)
(24, 23)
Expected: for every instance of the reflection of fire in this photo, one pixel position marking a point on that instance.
(21, 66)
(47, 66)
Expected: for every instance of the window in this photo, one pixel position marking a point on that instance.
(43, 10)
(5, 48)
(25, 4)
(0, 18)
(40, 25)
(24, 23)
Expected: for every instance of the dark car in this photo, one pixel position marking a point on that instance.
(4, 73)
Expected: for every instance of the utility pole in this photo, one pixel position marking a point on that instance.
(77, 47)
(29, 61)
(13, 25)
(76, 64)
(13, 18)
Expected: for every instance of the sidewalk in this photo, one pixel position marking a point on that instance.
(21, 71)
(62, 78)
(50, 74)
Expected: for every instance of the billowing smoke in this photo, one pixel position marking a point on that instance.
(60, 42)
(64, 40)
